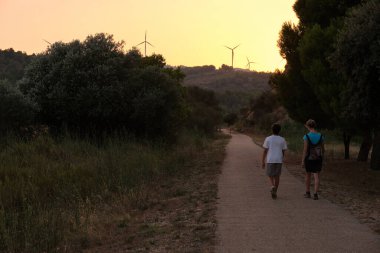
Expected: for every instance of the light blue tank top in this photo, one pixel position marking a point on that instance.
(314, 137)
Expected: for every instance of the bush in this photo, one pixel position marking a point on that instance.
(15, 109)
(204, 112)
(93, 86)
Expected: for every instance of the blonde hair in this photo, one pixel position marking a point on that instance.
(311, 123)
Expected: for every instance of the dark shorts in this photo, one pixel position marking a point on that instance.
(313, 166)
(274, 169)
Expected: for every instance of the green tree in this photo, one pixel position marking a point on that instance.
(12, 64)
(15, 109)
(357, 58)
(230, 118)
(321, 12)
(309, 87)
(293, 91)
(93, 86)
(204, 111)
(263, 110)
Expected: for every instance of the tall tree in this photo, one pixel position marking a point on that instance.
(308, 86)
(357, 58)
(15, 109)
(93, 86)
(294, 92)
(12, 64)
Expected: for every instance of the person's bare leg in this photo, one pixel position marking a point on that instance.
(276, 181)
(273, 189)
(307, 181)
(272, 182)
(316, 182)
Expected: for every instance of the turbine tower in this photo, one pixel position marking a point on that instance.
(249, 63)
(144, 42)
(233, 54)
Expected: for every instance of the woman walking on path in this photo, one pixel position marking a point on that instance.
(313, 150)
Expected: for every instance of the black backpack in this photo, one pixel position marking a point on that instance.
(314, 152)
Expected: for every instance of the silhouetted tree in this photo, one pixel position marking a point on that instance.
(15, 109)
(230, 119)
(309, 87)
(357, 58)
(204, 111)
(95, 86)
(12, 64)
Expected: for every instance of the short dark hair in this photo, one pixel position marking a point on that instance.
(276, 128)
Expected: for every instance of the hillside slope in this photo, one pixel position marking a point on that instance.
(233, 87)
(221, 80)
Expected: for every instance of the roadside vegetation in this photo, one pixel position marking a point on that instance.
(86, 126)
(51, 188)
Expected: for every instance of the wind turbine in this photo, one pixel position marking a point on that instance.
(46, 41)
(249, 63)
(233, 53)
(144, 42)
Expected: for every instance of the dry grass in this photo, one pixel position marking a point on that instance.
(173, 214)
(63, 196)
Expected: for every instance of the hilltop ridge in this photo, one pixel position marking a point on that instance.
(226, 79)
(234, 88)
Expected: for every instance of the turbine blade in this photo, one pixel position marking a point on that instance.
(229, 48)
(236, 46)
(149, 44)
(46, 41)
(140, 43)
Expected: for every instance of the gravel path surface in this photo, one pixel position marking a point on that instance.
(249, 220)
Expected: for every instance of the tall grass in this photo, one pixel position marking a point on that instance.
(48, 187)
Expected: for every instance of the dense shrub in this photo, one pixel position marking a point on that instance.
(12, 64)
(266, 110)
(230, 118)
(15, 109)
(204, 112)
(93, 86)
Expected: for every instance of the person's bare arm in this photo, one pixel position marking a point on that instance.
(304, 153)
(264, 157)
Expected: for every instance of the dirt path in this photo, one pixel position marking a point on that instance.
(250, 221)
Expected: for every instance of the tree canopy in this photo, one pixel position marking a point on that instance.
(15, 109)
(94, 86)
(309, 87)
(12, 64)
(357, 59)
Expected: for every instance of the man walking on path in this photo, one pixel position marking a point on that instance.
(274, 151)
(249, 221)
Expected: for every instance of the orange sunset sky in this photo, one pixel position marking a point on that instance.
(185, 32)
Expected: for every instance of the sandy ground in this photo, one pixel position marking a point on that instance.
(250, 221)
